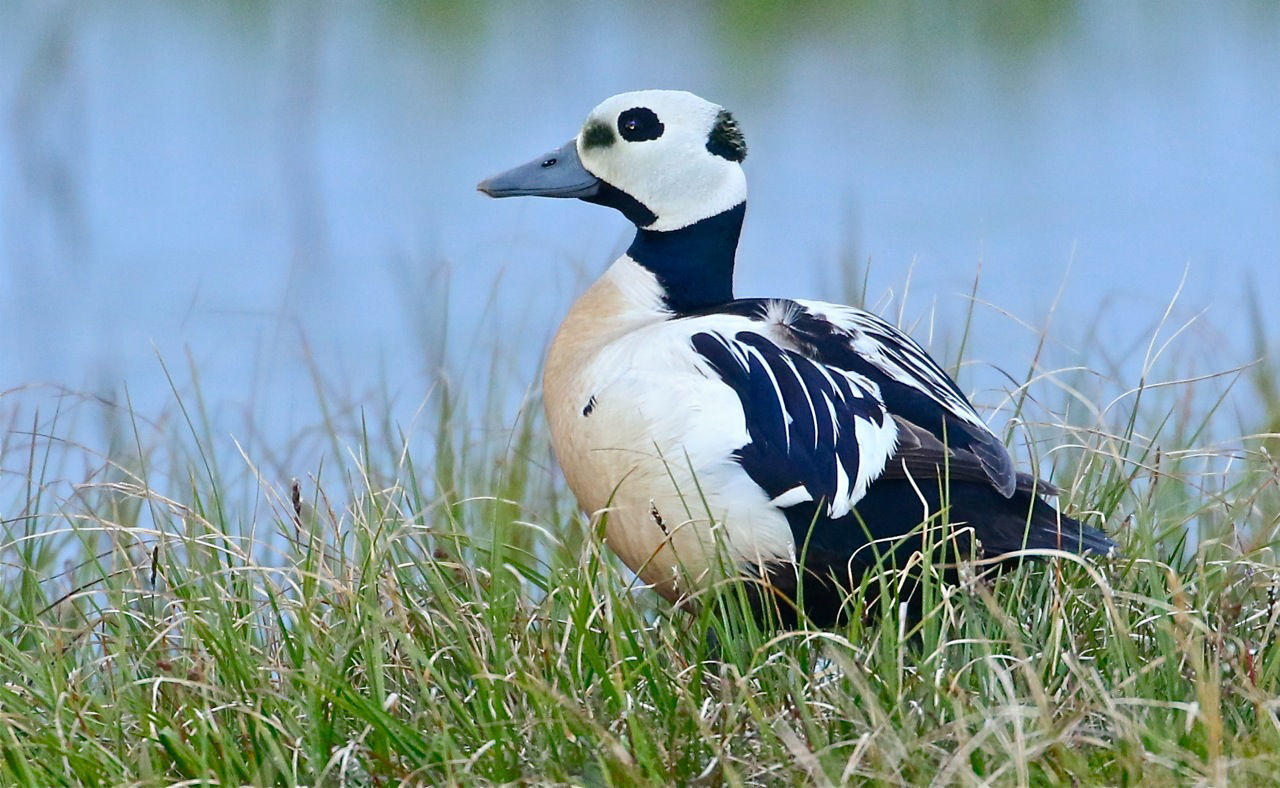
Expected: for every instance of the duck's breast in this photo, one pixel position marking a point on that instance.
(644, 433)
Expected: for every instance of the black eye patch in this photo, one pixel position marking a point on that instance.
(639, 124)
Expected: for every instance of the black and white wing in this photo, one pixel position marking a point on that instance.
(858, 437)
(859, 440)
(914, 387)
(817, 433)
(935, 425)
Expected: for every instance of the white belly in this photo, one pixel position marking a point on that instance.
(646, 440)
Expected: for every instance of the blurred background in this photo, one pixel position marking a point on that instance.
(257, 201)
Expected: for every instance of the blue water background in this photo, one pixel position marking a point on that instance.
(275, 194)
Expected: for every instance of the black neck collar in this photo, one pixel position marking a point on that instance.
(694, 264)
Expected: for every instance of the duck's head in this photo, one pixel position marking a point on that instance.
(664, 158)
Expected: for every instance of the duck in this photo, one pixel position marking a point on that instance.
(795, 444)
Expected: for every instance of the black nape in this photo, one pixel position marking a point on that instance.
(694, 264)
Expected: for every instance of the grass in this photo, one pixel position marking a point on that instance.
(431, 609)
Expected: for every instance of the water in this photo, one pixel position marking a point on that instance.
(272, 193)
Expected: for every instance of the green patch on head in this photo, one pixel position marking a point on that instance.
(725, 139)
(597, 135)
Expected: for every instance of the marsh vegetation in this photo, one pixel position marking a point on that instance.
(427, 605)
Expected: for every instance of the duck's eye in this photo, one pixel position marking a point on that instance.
(639, 124)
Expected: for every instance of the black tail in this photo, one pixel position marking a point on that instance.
(1027, 521)
(894, 508)
(885, 530)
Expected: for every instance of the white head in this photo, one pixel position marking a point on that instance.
(675, 153)
(665, 158)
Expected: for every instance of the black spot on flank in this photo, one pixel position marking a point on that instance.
(725, 139)
(591, 405)
(657, 518)
(640, 124)
(597, 135)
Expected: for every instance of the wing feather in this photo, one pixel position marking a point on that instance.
(845, 411)
(911, 383)
(807, 372)
(820, 430)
